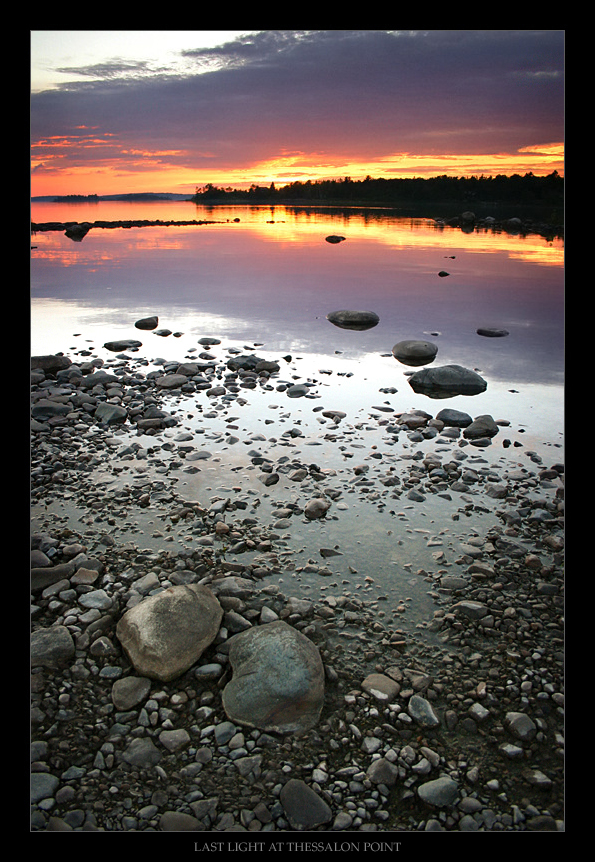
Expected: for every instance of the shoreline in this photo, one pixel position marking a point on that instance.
(466, 221)
(495, 651)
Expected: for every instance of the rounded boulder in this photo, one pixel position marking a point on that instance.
(415, 353)
(165, 634)
(278, 679)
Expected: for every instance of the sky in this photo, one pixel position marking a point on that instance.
(115, 111)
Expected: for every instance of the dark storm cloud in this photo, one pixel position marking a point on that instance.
(349, 93)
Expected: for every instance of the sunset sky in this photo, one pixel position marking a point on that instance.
(166, 111)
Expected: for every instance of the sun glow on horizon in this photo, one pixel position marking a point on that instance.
(56, 170)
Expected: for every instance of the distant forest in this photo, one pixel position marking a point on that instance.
(526, 189)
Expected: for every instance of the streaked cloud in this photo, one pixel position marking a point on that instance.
(340, 101)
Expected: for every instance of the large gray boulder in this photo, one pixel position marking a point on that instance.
(165, 634)
(278, 679)
(415, 353)
(447, 381)
(358, 320)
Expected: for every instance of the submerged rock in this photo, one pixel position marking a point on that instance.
(358, 320)
(333, 238)
(447, 381)
(278, 679)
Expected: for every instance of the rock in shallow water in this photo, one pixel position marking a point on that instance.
(358, 320)
(415, 352)
(147, 322)
(447, 381)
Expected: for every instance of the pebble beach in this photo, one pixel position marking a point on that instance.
(452, 725)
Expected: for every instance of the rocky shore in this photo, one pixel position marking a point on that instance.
(455, 726)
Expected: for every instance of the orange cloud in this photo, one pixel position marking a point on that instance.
(60, 166)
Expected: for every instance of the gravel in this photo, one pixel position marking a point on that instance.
(453, 725)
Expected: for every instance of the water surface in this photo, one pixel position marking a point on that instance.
(265, 284)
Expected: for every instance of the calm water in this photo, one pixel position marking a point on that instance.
(271, 279)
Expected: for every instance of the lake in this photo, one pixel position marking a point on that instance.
(265, 284)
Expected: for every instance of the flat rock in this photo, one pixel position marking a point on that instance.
(123, 344)
(382, 687)
(51, 647)
(358, 320)
(488, 332)
(454, 418)
(440, 792)
(304, 808)
(129, 691)
(447, 381)
(50, 362)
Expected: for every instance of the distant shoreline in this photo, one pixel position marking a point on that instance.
(466, 221)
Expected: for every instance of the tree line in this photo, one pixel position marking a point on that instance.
(516, 188)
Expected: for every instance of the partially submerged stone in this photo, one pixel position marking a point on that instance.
(358, 320)
(147, 322)
(447, 381)
(415, 353)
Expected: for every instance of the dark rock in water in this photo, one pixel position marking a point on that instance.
(124, 344)
(77, 232)
(447, 381)
(454, 418)
(147, 322)
(443, 273)
(492, 333)
(297, 390)
(278, 679)
(248, 362)
(415, 352)
(482, 426)
(358, 320)
(334, 239)
(51, 362)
